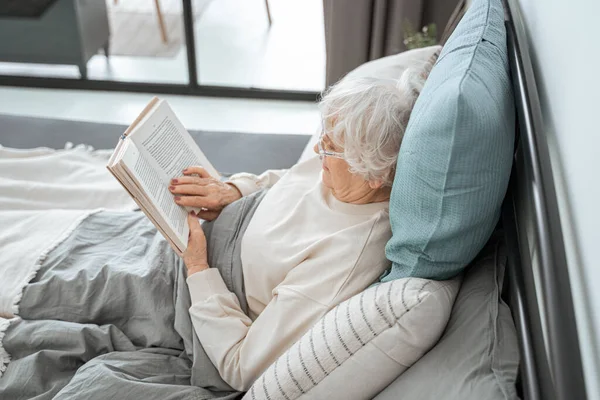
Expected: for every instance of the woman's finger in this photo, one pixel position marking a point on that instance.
(201, 172)
(191, 180)
(194, 190)
(197, 201)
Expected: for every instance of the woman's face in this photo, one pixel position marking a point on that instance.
(344, 185)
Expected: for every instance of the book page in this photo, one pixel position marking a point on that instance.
(167, 146)
(126, 179)
(155, 149)
(156, 191)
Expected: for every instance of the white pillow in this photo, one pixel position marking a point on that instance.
(363, 344)
(386, 67)
(392, 67)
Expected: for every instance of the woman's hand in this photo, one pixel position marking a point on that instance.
(195, 256)
(203, 191)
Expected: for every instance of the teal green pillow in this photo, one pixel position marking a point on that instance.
(456, 155)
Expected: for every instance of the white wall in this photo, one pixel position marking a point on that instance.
(564, 38)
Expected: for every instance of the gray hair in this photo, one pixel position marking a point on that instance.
(369, 117)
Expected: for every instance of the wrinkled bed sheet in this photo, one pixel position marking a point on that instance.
(107, 314)
(72, 182)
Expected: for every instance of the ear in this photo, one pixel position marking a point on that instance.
(376, 184)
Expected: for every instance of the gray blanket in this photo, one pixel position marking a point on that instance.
(107, 315)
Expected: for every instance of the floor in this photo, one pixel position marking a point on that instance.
(288, 55)
(234, 47)
(199, 113)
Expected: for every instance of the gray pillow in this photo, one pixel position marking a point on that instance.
(477, 356)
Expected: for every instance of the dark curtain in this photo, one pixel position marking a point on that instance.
(357, 31)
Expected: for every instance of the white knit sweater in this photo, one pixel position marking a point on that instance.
(303, 253)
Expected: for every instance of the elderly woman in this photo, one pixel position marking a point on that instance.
(316, 239)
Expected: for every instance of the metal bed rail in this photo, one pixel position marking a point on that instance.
(540, 293)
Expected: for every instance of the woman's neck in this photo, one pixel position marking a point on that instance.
(366, 197)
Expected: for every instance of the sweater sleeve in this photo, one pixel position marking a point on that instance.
(242, 349)
(250, 183)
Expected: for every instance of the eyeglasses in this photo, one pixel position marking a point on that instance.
(323, 152)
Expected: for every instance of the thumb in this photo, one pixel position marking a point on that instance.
(208, 215)
(201, 172)
(194, 224)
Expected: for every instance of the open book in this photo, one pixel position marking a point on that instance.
(152, 151)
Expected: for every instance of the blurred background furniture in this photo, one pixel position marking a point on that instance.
(53, 31)
(161, 21)
(163, 26)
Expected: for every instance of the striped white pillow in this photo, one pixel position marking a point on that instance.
(363, 344)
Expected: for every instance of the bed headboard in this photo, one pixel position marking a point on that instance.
(538, 288)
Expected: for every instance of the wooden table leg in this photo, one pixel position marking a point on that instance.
(268, 12)
(161, 22)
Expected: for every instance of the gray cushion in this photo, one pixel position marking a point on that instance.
(24, 8)
(477, 356)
